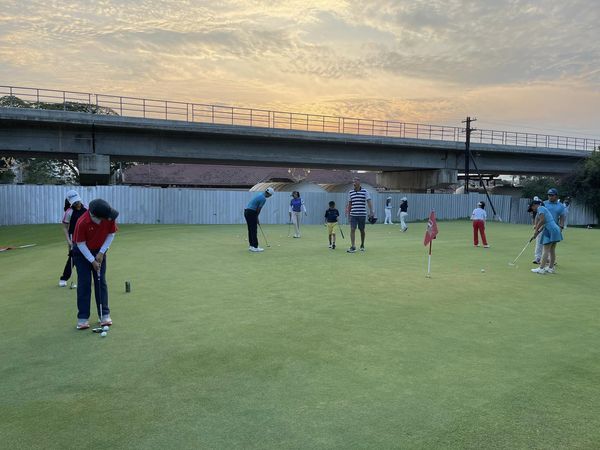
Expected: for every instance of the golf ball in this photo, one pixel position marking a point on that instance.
(483, 270)
(103, 334)
(105, 328)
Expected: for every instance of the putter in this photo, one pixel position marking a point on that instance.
(341, 232)
(524, 248)
(289, 228)
(263, 235)
(100, 293)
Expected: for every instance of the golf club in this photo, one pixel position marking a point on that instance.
(524, 248)
(289, 228)
(263, 235)
(341, 232)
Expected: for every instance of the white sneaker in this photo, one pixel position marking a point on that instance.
(62, 283)
(486, 246)
(539, 270)
(256, 249)
(550, 269)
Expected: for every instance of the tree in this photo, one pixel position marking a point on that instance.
(49, 171)
(540, 185)
(584, 182)
(7, 175)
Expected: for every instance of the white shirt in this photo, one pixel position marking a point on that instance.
(479, 214)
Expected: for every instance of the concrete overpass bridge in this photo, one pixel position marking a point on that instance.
(95, 129)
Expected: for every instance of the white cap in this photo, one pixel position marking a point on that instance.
(270, 191)
(73, 197)
(404, 199)
(389, 198)
(536, 199)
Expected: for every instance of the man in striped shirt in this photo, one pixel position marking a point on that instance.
(358, 200)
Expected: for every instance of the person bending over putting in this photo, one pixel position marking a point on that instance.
(251, 215)
(94, 232)
(551, 235)
(331, 220)
(358, 199)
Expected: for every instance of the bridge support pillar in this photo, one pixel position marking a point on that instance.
(417, 180)
(93, 169)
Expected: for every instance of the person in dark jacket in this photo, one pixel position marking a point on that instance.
(74, 209)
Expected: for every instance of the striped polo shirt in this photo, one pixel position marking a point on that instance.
(358, 201)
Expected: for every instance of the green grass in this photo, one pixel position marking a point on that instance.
(303, 347)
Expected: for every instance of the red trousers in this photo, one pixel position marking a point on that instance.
(479, 225)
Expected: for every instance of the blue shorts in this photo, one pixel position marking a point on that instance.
(357, 221)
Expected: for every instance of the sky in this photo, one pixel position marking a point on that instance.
(525, 65)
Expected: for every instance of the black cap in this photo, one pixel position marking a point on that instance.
(100, 208)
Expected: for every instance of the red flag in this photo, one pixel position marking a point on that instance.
(432, 229)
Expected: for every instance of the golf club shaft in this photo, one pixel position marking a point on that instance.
(263, 235)
(522, 251)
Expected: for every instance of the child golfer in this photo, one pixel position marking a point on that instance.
(93, 235)
(331, 219)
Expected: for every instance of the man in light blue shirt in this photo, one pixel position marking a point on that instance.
(251, 215)
(556, 208)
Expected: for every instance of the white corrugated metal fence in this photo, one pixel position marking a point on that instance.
(32, 204)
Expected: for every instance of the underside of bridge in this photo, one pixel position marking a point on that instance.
(417, 180)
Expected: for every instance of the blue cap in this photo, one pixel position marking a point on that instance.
(552, 191)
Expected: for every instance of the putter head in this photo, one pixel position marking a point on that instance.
(97, 330)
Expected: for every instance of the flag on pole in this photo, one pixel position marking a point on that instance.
(432, 229)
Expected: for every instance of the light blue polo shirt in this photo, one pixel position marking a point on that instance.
(557, 209)
(257, 202)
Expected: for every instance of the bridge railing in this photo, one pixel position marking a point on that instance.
(14, 96)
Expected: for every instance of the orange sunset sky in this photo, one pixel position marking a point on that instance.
(525, 65)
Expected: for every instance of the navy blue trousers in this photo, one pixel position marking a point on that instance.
(86, 275)
(252, 222)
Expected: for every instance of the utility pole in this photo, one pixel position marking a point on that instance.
(467, 151)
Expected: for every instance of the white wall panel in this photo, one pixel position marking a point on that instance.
(36, 204)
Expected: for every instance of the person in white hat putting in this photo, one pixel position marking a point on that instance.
(251, 214)
(74, 209)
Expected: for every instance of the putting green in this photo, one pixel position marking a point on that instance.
(302, 346)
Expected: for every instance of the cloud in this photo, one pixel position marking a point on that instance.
(421, 60)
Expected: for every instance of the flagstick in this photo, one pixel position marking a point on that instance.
(429, 262)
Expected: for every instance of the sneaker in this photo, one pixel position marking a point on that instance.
(550, 270)
(62, 283)
(256, 249)
(105, 321)
(475, 245)
(330, 246)
(351, 250)
(539, 270)
(535, 261)
(73, 285)
(82, 324)
(362, 248)
(333, 247)
(486, 246)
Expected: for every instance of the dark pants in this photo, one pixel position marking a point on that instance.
(85, 276)
(252, 222)
(68, 267)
